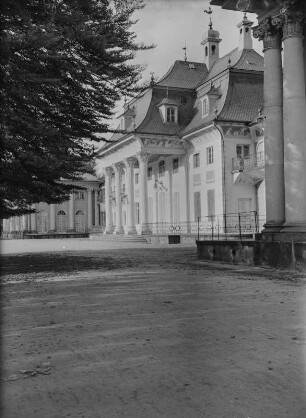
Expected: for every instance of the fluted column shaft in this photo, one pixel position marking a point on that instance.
(119, 227)
(89, 208)
(294, 123)
(108, 207)
(52, 217)
(71, 213)
(96, 212)
(274, 133)
(143, 167)
(129, 170)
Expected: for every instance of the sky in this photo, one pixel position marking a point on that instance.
(172, 24)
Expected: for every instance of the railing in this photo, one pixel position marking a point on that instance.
(246, 163)
(172, 228)
(218, 227)
(242, 225)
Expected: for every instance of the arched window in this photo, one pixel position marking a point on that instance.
(206, 51)
(61, 212)
(170, 114)
(213, 49)
(161, 168)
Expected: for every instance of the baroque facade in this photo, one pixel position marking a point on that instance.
(191, 146)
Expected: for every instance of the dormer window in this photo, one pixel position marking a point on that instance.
(205, 106)
(171, 113)
(168, 108)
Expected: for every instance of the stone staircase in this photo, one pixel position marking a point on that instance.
(118, 237)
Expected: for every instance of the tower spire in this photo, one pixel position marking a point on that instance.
(209, 12)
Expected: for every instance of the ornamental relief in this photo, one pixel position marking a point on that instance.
(166, 143)
(236, 130)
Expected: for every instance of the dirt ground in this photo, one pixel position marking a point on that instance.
(148, 331)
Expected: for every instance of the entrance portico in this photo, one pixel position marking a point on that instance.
(127, 163)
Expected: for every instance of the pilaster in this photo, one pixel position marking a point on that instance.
(71, 213)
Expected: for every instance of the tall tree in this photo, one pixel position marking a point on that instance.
(63, 65)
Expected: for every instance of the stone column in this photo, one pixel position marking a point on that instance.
(89, 208)
(33, 223)
(294, 121)
(119, 227)
(129, 172)
(108, 206)
(52, 218)
(274, 133)
(25, 223)
(96, 212)
(143, 167)
(71, 213)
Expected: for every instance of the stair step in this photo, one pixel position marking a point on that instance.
(113, 237)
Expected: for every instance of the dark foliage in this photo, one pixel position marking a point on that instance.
(63, 65)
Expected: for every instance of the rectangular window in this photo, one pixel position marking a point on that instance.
(196, 160)
(244, 205)
(210, 155)
(136, 178)
(161, 168)
(175, 165)
(170, 114)
(243, 151)
(197, 205)
(150, 172)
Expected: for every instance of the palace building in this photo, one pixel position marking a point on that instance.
(191, 145)
(190, 148)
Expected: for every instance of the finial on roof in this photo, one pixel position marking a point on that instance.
(209, 12)
(185, 55)
(229, 62)
(167, 93)
(152, 79)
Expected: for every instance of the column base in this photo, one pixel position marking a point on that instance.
(272, 227)
(131, 230)
(119, 231)
(296, 227)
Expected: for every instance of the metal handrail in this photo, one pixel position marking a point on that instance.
(246, 163)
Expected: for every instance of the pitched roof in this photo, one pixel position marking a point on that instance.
(153, 122)
(244, 97)
(246, 59)
(184, 74)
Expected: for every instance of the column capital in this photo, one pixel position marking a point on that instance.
(129, 162)
(143, 157)
(269, 33)
(290, 20)
(108, 171)
(118, 167)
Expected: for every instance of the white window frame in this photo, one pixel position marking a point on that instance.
(210, 155)
(205, 106)
(171, 114)
(196, 160)
(161, 168)
(175, 165)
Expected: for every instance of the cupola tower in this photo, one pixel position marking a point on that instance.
(211, 40)
(245, 34)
